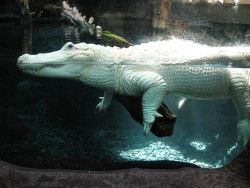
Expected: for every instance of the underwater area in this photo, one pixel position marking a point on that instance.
(53, 123)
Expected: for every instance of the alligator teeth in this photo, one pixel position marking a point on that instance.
(55, 65)
(30, 70)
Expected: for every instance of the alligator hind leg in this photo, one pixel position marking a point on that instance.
(241, 98)
(151, 101)
(153, 87)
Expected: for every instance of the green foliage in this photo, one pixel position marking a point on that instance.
(114, 40)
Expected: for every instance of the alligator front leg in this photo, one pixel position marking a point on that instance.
(153, 88)
(105, 101)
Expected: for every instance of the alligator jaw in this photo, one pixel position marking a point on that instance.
(35, 67)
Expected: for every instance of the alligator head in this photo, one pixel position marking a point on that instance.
(64, 63)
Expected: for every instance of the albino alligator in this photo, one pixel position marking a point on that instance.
(143, 70)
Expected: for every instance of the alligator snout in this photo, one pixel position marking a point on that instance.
(22, 58)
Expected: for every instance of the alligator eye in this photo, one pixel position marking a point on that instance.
(70, 46)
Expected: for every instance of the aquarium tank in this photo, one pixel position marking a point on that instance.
(185, 60)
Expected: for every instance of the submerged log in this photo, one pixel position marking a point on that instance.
(27, 17)
(161, 17)
(25, 10)
(162, 126)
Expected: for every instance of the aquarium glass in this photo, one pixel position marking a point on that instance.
(49, 122)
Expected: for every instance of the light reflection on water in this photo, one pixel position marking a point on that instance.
(160, 151)
(52, 37)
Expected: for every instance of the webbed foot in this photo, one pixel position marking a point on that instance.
(243, 132)
(102, 106)
(149, 122)
(242, 140)
(146, 128)
(105, 101)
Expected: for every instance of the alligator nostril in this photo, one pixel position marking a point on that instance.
(19, 60)
(22, 58)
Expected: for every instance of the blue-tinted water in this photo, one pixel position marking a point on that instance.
(53, 123)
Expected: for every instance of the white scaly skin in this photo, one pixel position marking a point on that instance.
(143, 70)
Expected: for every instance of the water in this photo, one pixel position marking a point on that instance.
(52, 123)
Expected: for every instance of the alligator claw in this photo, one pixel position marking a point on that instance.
(102, 106)
(146, 128)
(158, 114)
